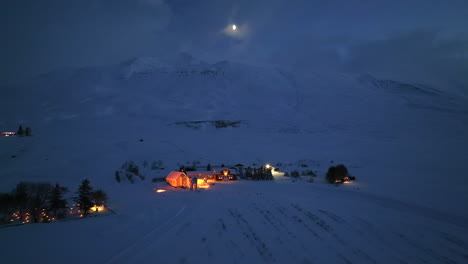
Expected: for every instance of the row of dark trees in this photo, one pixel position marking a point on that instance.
(256, 174)
(24, 132)
(130, 170)
(36, 199)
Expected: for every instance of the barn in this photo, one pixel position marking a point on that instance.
(178, 179)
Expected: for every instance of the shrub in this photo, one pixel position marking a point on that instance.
(130, 177)
(117, 176)
(331, 175)
(341, 171)
(20, 131)
(308, 173)
(27, 132)
(337, 173)
(295, 174)
(132, 167)
(158, 179)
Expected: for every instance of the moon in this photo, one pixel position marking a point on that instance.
(234, 27)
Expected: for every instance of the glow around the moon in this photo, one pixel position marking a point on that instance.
(234, 27)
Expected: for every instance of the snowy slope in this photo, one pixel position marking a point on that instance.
(406, 144)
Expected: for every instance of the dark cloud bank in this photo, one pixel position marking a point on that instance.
(417, 41)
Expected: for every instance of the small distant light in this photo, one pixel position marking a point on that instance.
(234, 27)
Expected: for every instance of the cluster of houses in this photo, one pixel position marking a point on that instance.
(7, 134)
(200, 178)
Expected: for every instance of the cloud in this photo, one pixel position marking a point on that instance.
(426, 56)
(309, 34)
(156, 3)
(242, 31)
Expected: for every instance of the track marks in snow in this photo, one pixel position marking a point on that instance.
(284, 236)
(333, 216)
(454, 240)
(133, 249)
(266, 229)
(221, 226)
(250, 234)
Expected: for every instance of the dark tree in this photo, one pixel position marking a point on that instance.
(99, 198)
(295, 174)
(341, 171)
(56, 201)
(269, 174)
(154, 165)
(21, 196)
(117, 176)
(331, 175)
(130, 177)
(248, 172)
(84, 198)
(27, 132)
(39, 194)
(240, 171)
(7, 203)
(337, 173)
(208, 167)
(133, 168)
(20, 131)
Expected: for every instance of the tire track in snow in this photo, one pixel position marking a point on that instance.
(332, 216)
(370, 231)
(426, 251)
(363, 256)
(282, 210)
(281, 229)
(320, 222)
(142, 243)
(250, 234)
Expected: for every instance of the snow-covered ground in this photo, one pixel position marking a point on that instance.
(406, 144)
(245, 221)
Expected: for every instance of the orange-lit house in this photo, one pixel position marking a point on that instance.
(225, 175)
(178, 179)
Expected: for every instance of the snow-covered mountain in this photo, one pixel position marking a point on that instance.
(94, 116)
(405, 142)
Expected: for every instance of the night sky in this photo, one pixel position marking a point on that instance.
(416, 40)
